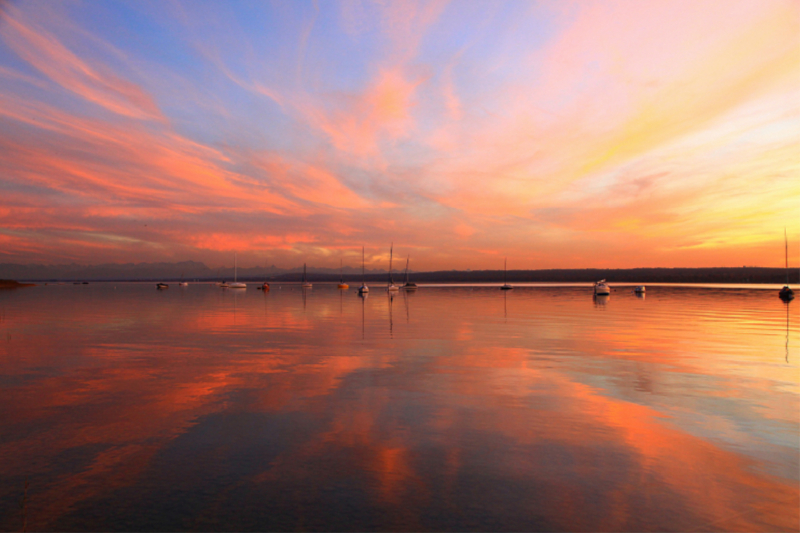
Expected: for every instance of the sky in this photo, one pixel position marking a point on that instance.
(555, 134)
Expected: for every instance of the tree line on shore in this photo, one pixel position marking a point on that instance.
(150, 272)
(640, 275)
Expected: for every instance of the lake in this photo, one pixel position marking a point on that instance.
(453, 408)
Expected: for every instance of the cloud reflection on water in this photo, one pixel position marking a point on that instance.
(131, 408)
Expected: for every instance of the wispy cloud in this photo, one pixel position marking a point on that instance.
(546, 133)
(94, 83)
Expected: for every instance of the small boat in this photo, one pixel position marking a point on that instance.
(601, 288)
(264, 286)
(160, 286)
(505, 286)
(409, 286)
(391, 287)
(306, 284)
(786, 293)
(236, 284)
(182, 283)
(363, 289)
(342, 284)
(639, 289)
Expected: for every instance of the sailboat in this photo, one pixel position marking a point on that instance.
(182, 283)
(391, 287)
(786, 293)
(409, 286)
(342, 284)
(306, 284)
(363, 289)
(505, 286)
(236, 284)
(264, 286)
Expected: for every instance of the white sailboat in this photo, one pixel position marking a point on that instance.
(363, 289)
(391, 287)
(505, 286)
(236, 284)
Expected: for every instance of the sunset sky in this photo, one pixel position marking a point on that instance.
(560, 135)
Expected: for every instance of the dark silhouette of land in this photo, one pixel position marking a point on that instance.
(633, 275)
(11, 284)
(192, 270)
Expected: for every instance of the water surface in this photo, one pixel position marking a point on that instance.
(453, 408)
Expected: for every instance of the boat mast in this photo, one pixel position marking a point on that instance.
(407, 258)
(304, 272)
(786, 245)
(234, 267)
(362, 267)
(341, 271)
(391, 248)
(505, 263)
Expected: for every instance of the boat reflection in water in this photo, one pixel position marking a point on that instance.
(198, 410)
(600, 300)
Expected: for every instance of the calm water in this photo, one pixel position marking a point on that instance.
(455, 408)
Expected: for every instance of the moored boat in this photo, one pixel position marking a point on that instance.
(409, 286)
(305, 284)
(391, 287)
(601, 288)
(363, 289)
(342, 284)
(236, 284)
(786, 293)
(505, 286)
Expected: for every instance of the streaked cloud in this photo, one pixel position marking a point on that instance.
(560, 135)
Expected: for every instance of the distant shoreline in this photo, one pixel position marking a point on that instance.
(756, 275)
(11, 284)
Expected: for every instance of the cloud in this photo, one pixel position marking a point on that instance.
(583, 128)
(93, 83)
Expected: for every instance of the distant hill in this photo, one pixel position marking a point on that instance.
(191, 270)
